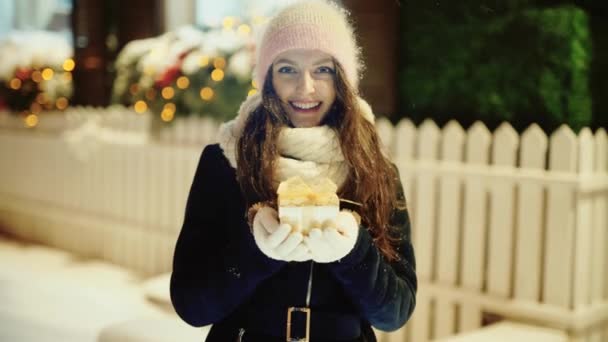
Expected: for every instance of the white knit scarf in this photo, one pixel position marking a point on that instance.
(305, 152)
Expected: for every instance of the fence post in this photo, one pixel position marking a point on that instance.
(474, 231)
(502, 202)
(559, 229)
(599, 268)
(424, 221)
(448, 226)
(583, 230)
(529, 229)
(404, 147)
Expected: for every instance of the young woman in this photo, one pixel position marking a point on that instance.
(236, 266)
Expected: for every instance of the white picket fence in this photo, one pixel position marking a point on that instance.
(509, 225)
(119, 200)
(505, 224)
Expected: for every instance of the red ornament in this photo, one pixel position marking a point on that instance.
(167, 77)
(23, 73)
(172, 73)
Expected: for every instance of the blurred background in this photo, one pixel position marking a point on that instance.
(494, 111)
(517, 61)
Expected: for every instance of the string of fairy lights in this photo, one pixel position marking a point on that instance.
(29, 82)
(32, 80)
(206, 93)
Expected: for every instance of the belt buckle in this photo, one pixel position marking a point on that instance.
(290, 310)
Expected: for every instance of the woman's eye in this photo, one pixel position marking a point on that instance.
(286, 70)
(325, 69)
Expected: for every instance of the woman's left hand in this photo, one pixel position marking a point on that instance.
(277, 240)
(335, 241)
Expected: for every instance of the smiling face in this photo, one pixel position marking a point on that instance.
(304, 82)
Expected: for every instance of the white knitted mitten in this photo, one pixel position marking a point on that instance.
(277, 240)
(334, 242)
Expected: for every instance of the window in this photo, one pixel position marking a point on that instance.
(36, 15)
(211, 12)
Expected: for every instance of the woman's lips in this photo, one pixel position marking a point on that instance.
(305, 107)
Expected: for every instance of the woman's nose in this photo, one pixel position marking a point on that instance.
(306, 83)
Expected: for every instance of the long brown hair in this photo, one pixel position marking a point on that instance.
(371, 179)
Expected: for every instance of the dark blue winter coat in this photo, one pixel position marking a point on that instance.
(220, 276)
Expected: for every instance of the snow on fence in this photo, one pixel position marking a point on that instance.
(509, 225)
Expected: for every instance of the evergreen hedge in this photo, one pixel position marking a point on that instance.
(506, 62)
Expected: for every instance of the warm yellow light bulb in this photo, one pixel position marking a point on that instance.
(31, 120)
(140, 106)
(47, 74)
(61, 103)
(15, 84)
(228, 23)
(69, 64)
(244, 29)
(36, 76)
(169, 106)
(167, 115)
(183, 82)
(217, 75)
(203, 61)
(206, 93)
(167, 93)
(219, 62)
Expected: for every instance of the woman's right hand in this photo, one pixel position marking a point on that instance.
(277, 240)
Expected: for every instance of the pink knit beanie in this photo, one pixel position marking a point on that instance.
(311, 24)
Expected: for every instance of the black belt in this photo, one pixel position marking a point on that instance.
(300, 324)
(324, 326)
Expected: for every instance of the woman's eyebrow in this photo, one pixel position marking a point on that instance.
(288, 61)
(285, 60)
(323, 61)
